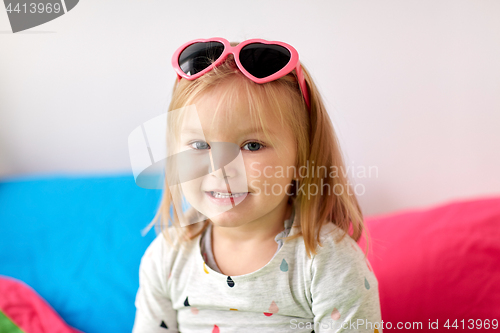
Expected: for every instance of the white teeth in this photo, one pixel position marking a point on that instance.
(226, 195)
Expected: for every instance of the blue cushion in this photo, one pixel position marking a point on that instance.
(76, 241)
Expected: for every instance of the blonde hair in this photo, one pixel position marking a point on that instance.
(315, 141)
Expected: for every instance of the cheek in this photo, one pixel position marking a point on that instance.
(254, 169)
(271, 169)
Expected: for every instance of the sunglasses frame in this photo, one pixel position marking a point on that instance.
(294, 62)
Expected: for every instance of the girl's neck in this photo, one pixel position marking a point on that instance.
(260, 231)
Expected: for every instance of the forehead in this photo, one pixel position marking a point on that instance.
(230, 108)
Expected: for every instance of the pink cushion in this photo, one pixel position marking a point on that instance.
(439, 263)
(22, 307)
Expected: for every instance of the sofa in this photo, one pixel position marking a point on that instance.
(76, 241)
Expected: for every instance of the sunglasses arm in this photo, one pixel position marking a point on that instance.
(302, 84)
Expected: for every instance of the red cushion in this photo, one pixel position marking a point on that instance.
(439, 263)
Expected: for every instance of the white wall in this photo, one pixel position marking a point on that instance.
(413, 87)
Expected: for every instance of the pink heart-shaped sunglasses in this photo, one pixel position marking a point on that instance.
(259, 60)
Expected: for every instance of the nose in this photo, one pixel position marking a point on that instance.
(222, 156)
(223, 173)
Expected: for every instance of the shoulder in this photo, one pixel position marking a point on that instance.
(332, 237)
(161, 253)
(342, 280)
(336, 251)
(338, 254)
(160, 257)
(341, 264)
(161, 245)
(333, 242)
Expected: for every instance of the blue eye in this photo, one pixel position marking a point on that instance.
(254, 146)
(199, 145)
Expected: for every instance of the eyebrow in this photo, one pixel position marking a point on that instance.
(192, 130)
(255, 130)
(248, 132)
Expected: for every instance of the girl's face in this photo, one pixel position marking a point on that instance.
(263, 170)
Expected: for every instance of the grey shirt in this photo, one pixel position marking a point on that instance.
(334, 290)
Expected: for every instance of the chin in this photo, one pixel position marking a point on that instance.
(229, 219)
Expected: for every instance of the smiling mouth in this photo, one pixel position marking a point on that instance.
(219, 195)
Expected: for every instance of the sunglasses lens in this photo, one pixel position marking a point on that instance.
(198, 56)
(263, 60)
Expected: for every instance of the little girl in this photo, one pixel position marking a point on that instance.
(281, 253)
